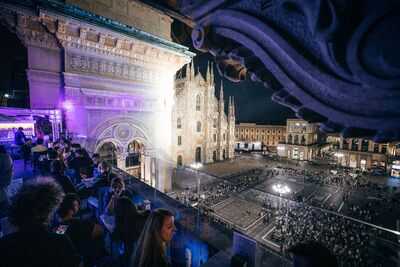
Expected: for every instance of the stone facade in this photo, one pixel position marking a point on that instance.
(202, 132)
(268, 135)
(362, 153)
(303, 140)
(133, 13)
(113, 83)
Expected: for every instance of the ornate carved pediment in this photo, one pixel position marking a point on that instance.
(87, 38)
(330, 61)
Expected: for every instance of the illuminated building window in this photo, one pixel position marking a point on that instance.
(179, 140)
(198, 100)
(179, 123)
(198, 127)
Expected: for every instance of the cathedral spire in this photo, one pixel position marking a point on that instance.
(192, 70)
(188, 71)
(207, 72)
(211, 73)
(221, 92)
(233, 106)
(230, 107)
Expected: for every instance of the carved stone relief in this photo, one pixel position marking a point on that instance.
(99, 66)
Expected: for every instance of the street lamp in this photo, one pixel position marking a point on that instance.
(197, 166)
(281, 189)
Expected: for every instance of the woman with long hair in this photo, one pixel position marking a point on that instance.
(129, 223)
(157, 233)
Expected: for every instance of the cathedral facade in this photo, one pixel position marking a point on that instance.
(201, 130)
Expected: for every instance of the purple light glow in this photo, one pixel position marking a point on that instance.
(67, 105)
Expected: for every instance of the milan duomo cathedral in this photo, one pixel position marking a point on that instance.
(201, 129)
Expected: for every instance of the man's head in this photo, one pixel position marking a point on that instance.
(75, 147)
(96, 158)
(79, 153)
(85, 172)
(117, 185)
(70, 206)
(104, 167)
(52, 154)
(34, 204)
(39, 141)
(20, 129)
(312, 254)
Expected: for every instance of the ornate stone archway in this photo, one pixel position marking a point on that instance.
(121, 131)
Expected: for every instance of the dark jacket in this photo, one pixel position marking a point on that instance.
(6, 170)
(37, 248)
(19, 138)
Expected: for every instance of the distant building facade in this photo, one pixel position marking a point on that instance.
(202, 132)
(249, 135)
(303, 140)
(361, 153)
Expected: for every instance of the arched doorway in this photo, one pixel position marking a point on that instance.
(108, 153)
(198, 154)
(179, 161)
(215, 155)
(224, 153)
(134, 158)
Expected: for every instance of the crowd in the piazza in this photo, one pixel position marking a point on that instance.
(294, 221)
(384, 198)
(347, 240)
(213, 193)
(53, 221)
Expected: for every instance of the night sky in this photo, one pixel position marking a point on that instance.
(253, 100)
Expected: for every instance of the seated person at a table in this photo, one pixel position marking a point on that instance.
(96, 164)
(47, 161)
(153, 241)
(111, 196)
(80, 161)
(129, 223)
(26, 151)
(105, 175)
(33, 244)
(57, 172)
(84, 234)
(70, 155)
(39, 147)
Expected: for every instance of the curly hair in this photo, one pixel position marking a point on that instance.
(34, 203)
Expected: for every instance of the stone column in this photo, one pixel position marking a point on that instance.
(142, 166)
(121, 158)
(147, 166)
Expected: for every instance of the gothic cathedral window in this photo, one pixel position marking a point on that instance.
(179, 123)
(198, 99)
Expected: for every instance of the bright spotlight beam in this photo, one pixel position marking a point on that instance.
(281, 189)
